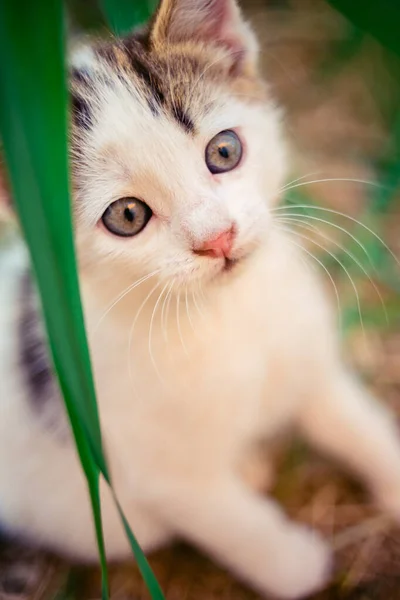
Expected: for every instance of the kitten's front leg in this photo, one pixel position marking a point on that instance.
(256, 470)
(251, 536)
(342, 419)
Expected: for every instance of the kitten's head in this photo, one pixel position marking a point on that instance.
(177, 154)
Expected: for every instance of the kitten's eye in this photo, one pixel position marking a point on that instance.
(126, 217)
(224, 152)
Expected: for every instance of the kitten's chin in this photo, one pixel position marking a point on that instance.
(217, 270)
(230, 264)
(231, 267)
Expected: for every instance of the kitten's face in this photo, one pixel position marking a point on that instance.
(177, 153)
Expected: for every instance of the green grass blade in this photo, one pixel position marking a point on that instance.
(380, 19)
(125, 15)
(86, 16)
(143, 565)
(33, 125)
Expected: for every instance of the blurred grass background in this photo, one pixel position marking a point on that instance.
(341, 92)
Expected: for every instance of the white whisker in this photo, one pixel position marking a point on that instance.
(130, 339)
(122, 295)
(287, 185)
(153, 314)
(342, 214)
(335, 226)
(202, 296)
(306, 237)
(202, 315)
(164, 311)
(178, 323)
(332, 179)
(348, 253)
(188, 311)
(321, 264)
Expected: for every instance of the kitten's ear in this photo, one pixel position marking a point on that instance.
(217, 22)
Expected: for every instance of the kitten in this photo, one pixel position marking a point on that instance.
(207, 331)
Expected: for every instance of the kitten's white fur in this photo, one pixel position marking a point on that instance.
(185, 389)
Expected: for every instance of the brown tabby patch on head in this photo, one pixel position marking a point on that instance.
(173, 73)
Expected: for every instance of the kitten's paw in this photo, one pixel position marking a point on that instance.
(307, 566)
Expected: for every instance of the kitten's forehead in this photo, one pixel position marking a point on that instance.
(177, 81)
(162, 80)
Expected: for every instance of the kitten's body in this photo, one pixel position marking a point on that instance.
(188, 378)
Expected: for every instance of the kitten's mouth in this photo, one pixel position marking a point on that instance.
(232, 264)
(229, 265)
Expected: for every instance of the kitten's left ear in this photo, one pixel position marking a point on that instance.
(216, 22)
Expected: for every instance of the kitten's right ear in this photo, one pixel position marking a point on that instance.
(215, 22)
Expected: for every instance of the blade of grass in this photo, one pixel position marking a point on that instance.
(86, 15)
(33, 121)
(124, 15)
(33, 124)
(380, 19)
(33, 127)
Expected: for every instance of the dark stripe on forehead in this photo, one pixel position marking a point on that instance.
(140, 64)
(107, 52)
(81, 112)
(183, 118)
(159, 87)
(161, 83)
(146, 70)
(151, 80)
(79, 76)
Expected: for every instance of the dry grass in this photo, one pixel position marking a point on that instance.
(336, 128)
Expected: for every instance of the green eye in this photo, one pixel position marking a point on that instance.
(126, 217)
(223, 152)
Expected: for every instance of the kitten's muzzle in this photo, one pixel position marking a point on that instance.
(219, 246)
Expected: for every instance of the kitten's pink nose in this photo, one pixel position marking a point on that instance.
(219, 246)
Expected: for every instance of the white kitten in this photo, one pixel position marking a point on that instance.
(207, 331)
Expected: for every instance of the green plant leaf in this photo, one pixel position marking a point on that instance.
(33, 126)
(86, 15)
(125, 15)
(380, 19)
